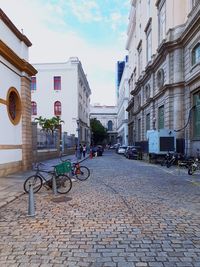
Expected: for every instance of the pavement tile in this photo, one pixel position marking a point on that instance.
(128, 213)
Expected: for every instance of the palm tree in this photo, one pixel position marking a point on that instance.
(49, 125)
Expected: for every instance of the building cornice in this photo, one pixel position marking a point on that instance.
(192, 25)
(152, 99)
(13, 28)
(15, 60)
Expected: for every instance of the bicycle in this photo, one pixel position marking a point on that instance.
(80, 172)
(194, 166)
(166, 160)
(174, 159)
(63, 182)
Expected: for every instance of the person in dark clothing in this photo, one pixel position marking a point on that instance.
(81, 150)
(84, 150)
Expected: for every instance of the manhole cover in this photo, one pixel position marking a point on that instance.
(61, 199)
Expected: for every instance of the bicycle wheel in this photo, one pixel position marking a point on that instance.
(63, 184)
(36, 182)
(163, 162)
(191, 170)
(82, 173)
(170, 163)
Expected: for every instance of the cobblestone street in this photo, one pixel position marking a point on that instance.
(128, 213)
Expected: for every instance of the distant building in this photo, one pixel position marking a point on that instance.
(120, 69)
(62, 89)
(122, 104)
(15, 99)
(164, 70)
(107, 115)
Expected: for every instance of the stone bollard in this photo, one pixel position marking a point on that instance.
(31, 204)
(54, 188)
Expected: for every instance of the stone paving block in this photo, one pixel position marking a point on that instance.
(116, 218)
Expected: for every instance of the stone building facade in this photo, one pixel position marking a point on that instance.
(107, 115)
(15, 99)
(164, 63)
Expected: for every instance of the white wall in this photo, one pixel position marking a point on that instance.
(10, 39)
(70, 95)
(9, 134)
(10, 155)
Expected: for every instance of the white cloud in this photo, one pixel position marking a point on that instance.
(55, 45)
(85, 11)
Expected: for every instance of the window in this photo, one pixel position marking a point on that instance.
(148, 122)
(147, 92)
(57, 83)
(149, 44)
(110, 125)
(161, 117)
(162, 22)
(57, 108)
(196, 115)
(139, 100)
(160, 78)
(196, 54)
(33, 108)
(139, 129)
(13, 105)
(140, 59)
(33, 83)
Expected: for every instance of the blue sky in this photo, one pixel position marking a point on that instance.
(92, 30)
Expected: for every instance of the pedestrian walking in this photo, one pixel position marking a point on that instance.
(84, 150)
(76, 151)
(81, 150)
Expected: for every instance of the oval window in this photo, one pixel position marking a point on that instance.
(13, 106)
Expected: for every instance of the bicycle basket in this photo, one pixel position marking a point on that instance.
(63, 168)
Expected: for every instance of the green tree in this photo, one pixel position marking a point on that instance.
(99, 132)
(49, 125)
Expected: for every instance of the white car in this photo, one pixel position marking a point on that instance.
(121, 149)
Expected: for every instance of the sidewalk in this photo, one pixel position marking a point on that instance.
(11, 186)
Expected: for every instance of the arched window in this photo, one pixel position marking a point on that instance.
(33, 108)
(57, 108)
(13, 105)
(110, 125)
(196, 54)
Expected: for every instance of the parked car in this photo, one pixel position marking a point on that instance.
(134, 152)
(97, 150)
(127, 150)
(100, 150)
(121, 149)
(115, 146)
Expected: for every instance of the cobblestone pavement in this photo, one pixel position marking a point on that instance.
(128, 213)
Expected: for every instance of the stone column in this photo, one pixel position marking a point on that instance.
(178, 120)
(178, 112)
(178, 65)
(27, 155)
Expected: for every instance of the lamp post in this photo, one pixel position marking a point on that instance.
(78, 141)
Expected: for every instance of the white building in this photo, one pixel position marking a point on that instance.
(107, 115)
(62, 89)
(15, 99)
(122, 104)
